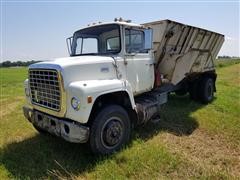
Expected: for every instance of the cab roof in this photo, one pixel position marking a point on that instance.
(113, 22)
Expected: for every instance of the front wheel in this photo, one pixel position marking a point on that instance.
(110, 130)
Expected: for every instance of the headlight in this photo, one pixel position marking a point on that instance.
(75, 103)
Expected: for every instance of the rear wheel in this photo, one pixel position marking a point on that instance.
(206, 90)
(193, 90)
(110, 130)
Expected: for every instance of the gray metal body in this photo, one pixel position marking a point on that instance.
(181, 50)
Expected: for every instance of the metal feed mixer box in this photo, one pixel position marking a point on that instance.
(181, 50)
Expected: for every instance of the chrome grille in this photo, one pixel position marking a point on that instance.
(45, 88)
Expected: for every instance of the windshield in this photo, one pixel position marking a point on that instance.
(103, 39)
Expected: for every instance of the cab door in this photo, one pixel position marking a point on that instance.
(139, 61)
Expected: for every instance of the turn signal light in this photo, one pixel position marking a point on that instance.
(89, 99)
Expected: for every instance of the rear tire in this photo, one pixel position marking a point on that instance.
(110, 130)
(206, 90)
(193, 90)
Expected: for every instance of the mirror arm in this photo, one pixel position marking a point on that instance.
(69, 46)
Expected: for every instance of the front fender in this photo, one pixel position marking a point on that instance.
(93, 88)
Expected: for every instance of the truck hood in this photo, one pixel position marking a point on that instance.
(80, 68)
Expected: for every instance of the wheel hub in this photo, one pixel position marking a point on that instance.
(112, 133)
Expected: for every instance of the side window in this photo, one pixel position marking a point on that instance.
(134, 40)
(90, 45)
(113, 44)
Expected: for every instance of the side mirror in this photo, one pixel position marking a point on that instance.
(69, 45)
(148, 33)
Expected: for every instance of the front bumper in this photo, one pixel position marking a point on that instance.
(69, 130)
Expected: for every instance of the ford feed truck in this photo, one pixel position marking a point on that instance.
(118, 76)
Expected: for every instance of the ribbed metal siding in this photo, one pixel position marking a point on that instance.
(181, 50)
(45, 88)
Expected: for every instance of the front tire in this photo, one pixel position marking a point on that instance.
(110, 130)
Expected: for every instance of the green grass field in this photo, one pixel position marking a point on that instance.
(190, 141)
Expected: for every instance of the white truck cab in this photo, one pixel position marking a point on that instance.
(105, 87)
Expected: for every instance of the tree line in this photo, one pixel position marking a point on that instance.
(17, 63)
(227, 57)
(27, 63)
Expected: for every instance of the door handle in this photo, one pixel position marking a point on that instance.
(149, 64)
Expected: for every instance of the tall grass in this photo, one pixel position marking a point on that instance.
(190, 141)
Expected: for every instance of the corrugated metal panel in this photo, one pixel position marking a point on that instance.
(181, 49)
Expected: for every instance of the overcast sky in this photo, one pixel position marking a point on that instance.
(37, 30)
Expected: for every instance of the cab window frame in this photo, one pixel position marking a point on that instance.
(142, 40)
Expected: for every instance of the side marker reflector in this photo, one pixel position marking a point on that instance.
(89, 99)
